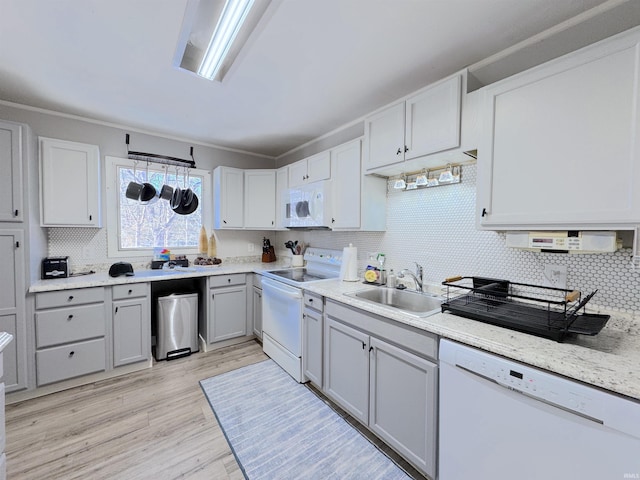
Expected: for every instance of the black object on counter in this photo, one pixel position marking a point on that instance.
(55, 267)
(121, 268)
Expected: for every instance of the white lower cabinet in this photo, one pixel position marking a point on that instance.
(257, 310)
(227, 308)
(70, 334)
(131, 324)
(379, 371)
(312, 338)
(400, 409)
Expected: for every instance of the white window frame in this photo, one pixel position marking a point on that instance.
(113, 208)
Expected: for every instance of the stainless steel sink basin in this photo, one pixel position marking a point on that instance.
(413, 303)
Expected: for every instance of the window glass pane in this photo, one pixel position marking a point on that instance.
(156, 224)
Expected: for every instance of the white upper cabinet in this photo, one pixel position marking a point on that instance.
(311, 169)
(228, 198)
(560, 145)
(260, 199)
(282, 183)
(423, 124)
(384, 137)
(11, 206)
(359, 201)
(69, 184)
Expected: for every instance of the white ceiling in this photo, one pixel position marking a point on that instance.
(310, 67)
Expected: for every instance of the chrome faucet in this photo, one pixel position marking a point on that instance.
(417, 277)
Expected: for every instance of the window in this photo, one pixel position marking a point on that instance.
(135, 228)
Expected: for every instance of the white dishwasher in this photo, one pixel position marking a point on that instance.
(500, 420)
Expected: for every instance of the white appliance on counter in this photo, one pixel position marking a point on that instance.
(501, 420)
(283, 304)
(308, 206)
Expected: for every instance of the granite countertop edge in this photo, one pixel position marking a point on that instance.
(102, 279)
(609, 360)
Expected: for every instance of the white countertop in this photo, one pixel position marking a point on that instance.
(102, 279)
(610, 360)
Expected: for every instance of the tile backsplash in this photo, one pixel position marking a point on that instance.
(434, 227)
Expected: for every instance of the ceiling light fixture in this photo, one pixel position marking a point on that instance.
(233, 16)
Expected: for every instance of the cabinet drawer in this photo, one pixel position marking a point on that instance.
(68, 298)
(226, 280)
(132, 290)
(68, 361)
(314, 301)
(54, 327)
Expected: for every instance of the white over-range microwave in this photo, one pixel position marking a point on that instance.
(308, 206)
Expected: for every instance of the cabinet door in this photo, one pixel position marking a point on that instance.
(345, 165)
(561, 148)
(346, 368)
(228, 313)
(131, 331)
(11, 208)
(312, 346)
(433, 119)
(282, 184)
(319, 167)
(298, 173)
(260, 199)
(12, 308)
(228, 197)
(70, 183)
(384, 137)
(257, 312)
(402, 409)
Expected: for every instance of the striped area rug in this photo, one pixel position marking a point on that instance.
(279, 429)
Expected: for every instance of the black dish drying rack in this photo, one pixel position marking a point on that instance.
(546, 312)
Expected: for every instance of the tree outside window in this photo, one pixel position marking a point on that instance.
(156, 224)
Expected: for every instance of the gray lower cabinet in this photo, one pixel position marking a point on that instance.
(13, 308)
(381, 372)
(131, 324)
(312, 338)
(256, 305)
(70, 334)
(227, 308)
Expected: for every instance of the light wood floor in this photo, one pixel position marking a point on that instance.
(152, 424)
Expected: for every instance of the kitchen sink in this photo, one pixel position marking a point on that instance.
(413, 303)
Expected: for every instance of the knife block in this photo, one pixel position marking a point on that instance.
(270, 256)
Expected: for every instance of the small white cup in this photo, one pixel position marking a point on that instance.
(297, 261)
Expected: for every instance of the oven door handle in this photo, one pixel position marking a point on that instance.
(288, 291)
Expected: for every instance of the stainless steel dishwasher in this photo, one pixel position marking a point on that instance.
(501, 420)
(177, 334)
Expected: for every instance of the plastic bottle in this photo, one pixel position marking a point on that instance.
(391, 279)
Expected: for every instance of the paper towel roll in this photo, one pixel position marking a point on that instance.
(349, 267)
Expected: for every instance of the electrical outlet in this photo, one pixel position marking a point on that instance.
(555, 276)
(251, 247)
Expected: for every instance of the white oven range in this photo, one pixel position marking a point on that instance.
(283, 304)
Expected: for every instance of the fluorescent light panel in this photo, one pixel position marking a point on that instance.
(233, 15)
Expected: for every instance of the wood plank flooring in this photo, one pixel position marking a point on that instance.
(151, 424)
